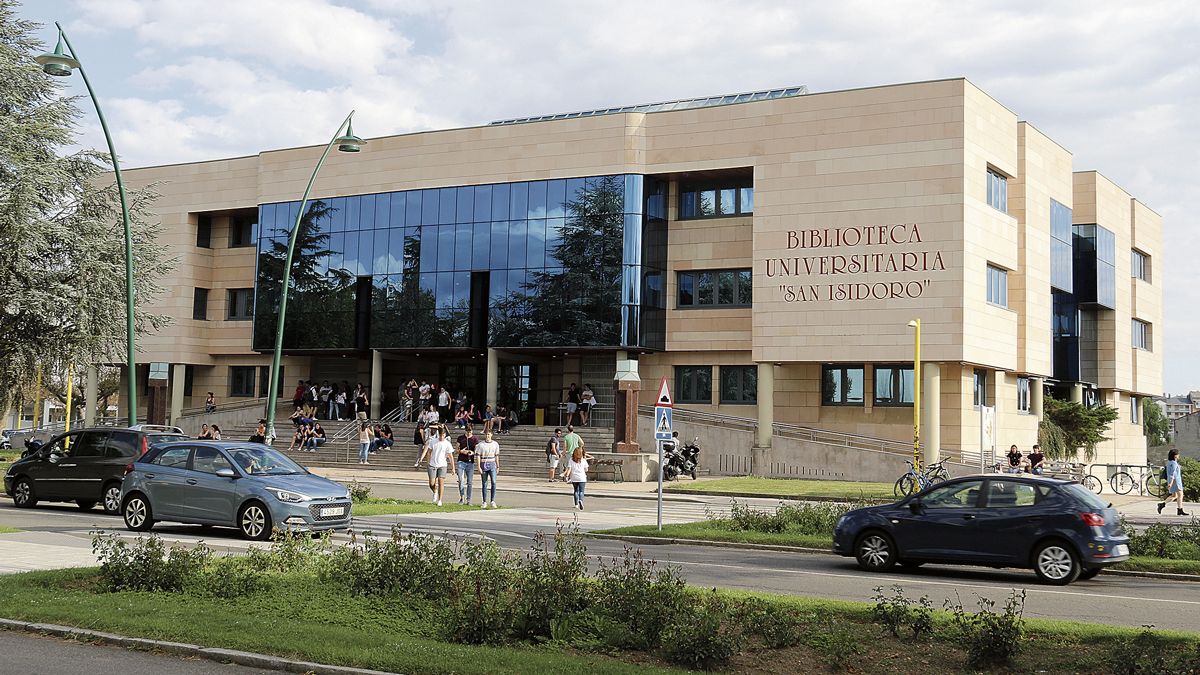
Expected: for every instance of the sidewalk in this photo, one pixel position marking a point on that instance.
(28, 551)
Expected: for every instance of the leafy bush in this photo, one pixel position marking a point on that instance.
(235, 577)
(1191, 478)
(1159, 540)
(801, 518)
(412, 563)
(899, 612)
(637, 594)
(990, 639)
(480, 608)
(146, 564)
(1149, 653)
(550, 583)
(784, 629)
(703, 634)
(836, 643)
(360, 493)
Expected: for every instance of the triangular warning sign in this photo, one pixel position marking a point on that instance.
(664, 395)
(664, 424)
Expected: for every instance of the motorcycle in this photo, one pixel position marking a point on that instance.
(32, 446)
(678, 460)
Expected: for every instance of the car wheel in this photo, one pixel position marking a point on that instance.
(1055, 563)
(23, 495)
(112, 499)
(138, 515)
(1089, 573)
(254, 520)
(85, 504)
(875, 552)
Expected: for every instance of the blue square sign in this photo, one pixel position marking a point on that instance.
(662, 423)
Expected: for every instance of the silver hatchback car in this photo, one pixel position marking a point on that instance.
(250, 486)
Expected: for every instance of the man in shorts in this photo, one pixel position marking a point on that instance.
(439, 453)
(553, 453)
(570, 442)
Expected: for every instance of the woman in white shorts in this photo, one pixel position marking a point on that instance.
(438, 452)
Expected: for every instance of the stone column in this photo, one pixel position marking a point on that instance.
(760, 453)
(626, 385)
(376, 382)
(178, 376)
(1077, 392)
(493, 378)
(931, 400)
(1036, 401)
(90, 394)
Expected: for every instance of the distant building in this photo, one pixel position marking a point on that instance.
(1175, 407)
(1185, 435)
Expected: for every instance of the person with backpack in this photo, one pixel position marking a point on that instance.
(553, 453)
(576, 473)
(1173, 474)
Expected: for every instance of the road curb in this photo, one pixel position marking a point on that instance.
(661, 541)
(219, 655)
(787, 498)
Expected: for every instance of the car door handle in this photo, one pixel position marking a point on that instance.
(65, 466)
(968, 517)
(149, 475)
(191, 481)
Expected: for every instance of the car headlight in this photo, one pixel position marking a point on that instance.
(287, 495)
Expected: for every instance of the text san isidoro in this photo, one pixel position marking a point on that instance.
(889, 273)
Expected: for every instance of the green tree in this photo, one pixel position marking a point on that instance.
(1154, 423)
(1081, 427)
(63, 268)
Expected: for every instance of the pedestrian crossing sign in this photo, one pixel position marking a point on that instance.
(662, 423)
(664, 395)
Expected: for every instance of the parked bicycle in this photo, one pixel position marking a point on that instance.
(1151, 482)
(914, 481)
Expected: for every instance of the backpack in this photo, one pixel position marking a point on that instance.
(1163, 474)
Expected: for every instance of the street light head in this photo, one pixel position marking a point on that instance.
(914, 323)
(348, 142)
(57, 63)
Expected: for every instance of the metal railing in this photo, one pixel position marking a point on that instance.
(240, 404)
(350, 430)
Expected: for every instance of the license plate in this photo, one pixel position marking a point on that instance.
(1121, 549)
(334, 511)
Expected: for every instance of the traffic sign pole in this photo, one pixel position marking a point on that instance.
(660, 476)
(663, 422)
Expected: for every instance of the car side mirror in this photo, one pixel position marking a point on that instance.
(916, 507)
(226, 473)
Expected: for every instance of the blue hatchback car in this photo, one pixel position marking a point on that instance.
(1058, 528)
(250, 486)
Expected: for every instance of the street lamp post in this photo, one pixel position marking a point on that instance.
(60, 63)
(346, 142)
(916, 325)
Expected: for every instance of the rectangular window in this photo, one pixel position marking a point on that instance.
(1141, 335)
(189, 379)
(240, 305)
(1023, 394)
(204, 231)
(893, 385)
(713, 288)
(241, 381)
(739, 384)
(1135, 412)
(1140, 262)
(842, 385)
(721, 200)
(241, 231)
(1061, 247)
(693, 384)
(980, 376)
(997, 286)
(997, 190)
(200, 304)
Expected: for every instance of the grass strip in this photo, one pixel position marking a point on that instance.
(388, 507)
(4, 529)
(752, 486)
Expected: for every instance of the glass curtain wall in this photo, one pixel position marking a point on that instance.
(568, 262)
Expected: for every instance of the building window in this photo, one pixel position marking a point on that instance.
(204, 231)
(1140, 262)
(739, 384)
(693, 384)
(1062, 237)
(715, 288)
(189, 379)
(241, 304)
(200, 304)
(997, 190)
(980, 387)
(997, 286)
(1135, 412)
(715, 200)
(241, 381)
(841, 385)
(893, 385)
(241, 231)
(1023, 394)
(1141, 335)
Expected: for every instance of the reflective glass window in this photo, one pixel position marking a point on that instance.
(537, 200)
(383, 210)
(727, 202)
(445, 289)
(483, 204)
(997, 190)
(693, 384)
(554, 229)
(481, 243)
(518, 202)
(498, 286)
(337, 247)
(429, 247)
(1141, 335)
(687, 282)
(381, 247)
(893, 385)
(556, 195)
(445, 256)
(997, 286)
(746, 200)
(366, 252)
(842, 385)
(412, 207)
(395, 250)
(462, 289)
(726, 287)
(745, 292)
(353, 205)
(707, 204)
(1023, 394)
(979, 377)
(535, 250)
(500, 199)
(516, 244)
(366, 211)
(687, 205)
(575, 190)
(350, 248)
(399, 203)
(705, 288)
(463, 248)
(739, 384)
(447, 204)
(499, 244)
(466, 204)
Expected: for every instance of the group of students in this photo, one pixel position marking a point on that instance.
(575, 468)
(332, 401)
(471, 456)
(580, 403)
(372, 439)
(1034, 462)
(308, 437)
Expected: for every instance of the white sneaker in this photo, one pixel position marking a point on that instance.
(483, 505)
(439, 502)
(494, 505)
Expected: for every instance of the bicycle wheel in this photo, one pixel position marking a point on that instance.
(905, 486)
(1121, 482)
(1092, 483)
(1155, 486)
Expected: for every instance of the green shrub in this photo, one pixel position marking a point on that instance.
(639, 595)
(784, 629)
(233, 577)
(360, 493)
(1159, 540)
(418, 564)
(550, 584)
(146, 564)
(990, 639)
(480, 609)
(1149, 653)
(1191, 478)
(836, 643)
(802, 518)
(703, 634)
(898, 612)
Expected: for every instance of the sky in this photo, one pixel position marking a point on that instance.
(1117, 83)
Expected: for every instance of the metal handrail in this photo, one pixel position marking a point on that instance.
(58, 427)
(240, 404)
(351, 429)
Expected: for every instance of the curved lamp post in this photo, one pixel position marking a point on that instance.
(346, 142)
(62, 64)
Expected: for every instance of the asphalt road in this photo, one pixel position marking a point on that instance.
(1108, 599)
(31, 654)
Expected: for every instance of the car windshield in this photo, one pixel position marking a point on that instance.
(263, 461)
(155, 439)
(1086, 496)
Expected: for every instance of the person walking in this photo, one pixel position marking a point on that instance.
(466, 465)
(364, 442)
(553, 453)
(576, 473)
(570, 442)
(443, 402)
(439, 454)
(1174, 472)
(487, 455)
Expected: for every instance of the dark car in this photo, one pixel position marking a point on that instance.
(1058, 528)
(84, 466)
(250, 486)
